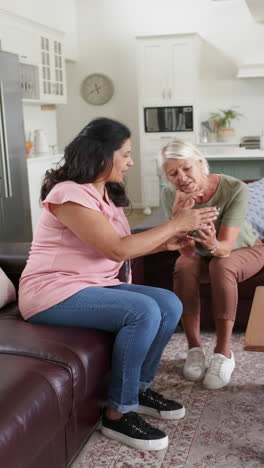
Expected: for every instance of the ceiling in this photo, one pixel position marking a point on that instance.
(256, 8)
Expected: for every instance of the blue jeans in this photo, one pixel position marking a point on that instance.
(143, 319)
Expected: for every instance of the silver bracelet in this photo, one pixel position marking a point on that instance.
(216, 247)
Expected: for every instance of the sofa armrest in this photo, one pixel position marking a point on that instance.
(13, 258)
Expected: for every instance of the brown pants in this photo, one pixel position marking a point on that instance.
(223, 273)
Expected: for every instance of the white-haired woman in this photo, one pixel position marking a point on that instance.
(223, 253)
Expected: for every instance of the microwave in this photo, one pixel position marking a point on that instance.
(168, 119)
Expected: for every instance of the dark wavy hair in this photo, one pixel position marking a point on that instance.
(89, 156)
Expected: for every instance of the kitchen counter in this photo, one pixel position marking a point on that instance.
(37, 167)
(236, 154)
(238, 162)
(49, 157)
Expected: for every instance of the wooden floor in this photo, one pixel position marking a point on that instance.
(134, 216)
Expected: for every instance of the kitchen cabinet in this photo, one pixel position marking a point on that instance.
(168, 75)
(245, 164)
(168, 69)
(37, 167)
(29, 80)
(52, 70)
(41, 55)
(58, 15)
(21, 41)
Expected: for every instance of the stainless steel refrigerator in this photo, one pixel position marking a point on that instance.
(15, 218)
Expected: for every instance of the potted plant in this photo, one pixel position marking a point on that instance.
(222, 121)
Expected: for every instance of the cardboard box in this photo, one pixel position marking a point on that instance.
(254, 338)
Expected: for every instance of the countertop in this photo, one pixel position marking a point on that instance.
(48, 157)
(235, 154)
(231, 153)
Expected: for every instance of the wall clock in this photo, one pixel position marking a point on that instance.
(97, 89)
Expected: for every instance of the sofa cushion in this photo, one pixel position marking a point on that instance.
(35, 404)
(7, 289)
(85, 353)
(256, 206)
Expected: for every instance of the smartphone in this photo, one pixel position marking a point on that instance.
(193, 234)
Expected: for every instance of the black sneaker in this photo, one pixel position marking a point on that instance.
(154, 404)
(132, 430)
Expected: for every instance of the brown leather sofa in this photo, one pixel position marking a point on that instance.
(53, 381)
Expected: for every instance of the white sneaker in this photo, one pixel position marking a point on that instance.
(194, 366)
(219, 371)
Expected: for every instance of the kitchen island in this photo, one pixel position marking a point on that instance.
(239, 162)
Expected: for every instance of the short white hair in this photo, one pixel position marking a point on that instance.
(182, 149)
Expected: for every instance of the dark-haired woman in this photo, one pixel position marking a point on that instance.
(79, 245)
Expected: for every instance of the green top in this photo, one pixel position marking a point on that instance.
(231, 199)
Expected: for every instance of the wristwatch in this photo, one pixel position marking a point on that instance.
(216, 247)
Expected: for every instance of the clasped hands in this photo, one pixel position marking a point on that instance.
(206, 235)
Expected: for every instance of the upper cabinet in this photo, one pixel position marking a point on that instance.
(168, 69)
(52, 70)
(58, 15)
(19, 40)
(41, 54)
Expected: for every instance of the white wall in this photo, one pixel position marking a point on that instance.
(107, 31)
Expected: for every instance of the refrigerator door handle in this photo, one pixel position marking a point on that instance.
(4, 146)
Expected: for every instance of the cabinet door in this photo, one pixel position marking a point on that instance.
(183, 76)
(52, 73)
(153, 72)
(21, 41)
(29, 80)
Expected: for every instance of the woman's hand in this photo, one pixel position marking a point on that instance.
(182, 200)
(207, 236)
(188, 219)
(225, 240)
(178, 243)
(188, 250)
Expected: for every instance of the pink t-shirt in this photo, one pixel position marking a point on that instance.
(60, 264)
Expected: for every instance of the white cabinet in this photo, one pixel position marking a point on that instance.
(52, 70)
(168, 69)
(168, 75)
(37, 168)
(38, 47)
(21, 41)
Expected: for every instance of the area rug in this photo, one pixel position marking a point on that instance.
(222, 428)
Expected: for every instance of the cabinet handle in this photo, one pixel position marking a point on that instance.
(169, 94)
(163, 93)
